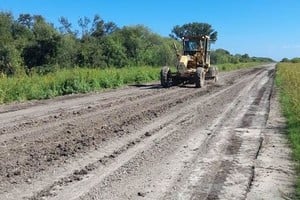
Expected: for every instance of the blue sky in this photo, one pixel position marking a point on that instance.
(267, 28)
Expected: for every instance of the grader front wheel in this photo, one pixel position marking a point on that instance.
(165, 77)
(199, 77)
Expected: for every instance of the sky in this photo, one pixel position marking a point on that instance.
(263, 28)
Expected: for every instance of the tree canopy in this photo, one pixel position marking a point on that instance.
(194, 29)
(30, 43)
(221, 56)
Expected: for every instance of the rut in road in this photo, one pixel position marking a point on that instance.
(138, 142)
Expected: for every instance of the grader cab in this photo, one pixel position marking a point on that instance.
(193, 64)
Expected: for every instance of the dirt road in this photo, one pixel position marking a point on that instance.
(223, 141)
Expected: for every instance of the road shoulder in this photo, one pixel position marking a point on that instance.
(274, 169)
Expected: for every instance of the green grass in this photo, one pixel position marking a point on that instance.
(81, 80)
(68, 81)
(288, 81)
(232, 66)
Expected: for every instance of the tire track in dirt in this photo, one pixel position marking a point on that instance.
(205, 178)
(38, 150)
(136, 179)
(141, 142)
(63, 112)
(163, 147)
(76, 138)
(169, 120)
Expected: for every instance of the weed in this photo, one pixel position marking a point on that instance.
(81, 80)
(288, 81)
(69, 81)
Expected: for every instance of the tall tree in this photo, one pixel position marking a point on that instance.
(84, 24)
(25, 20)
(137, 40)
(114, 54)
(10, 60)
(66, 26)
(97, 29)
(6, 22)
(43, 50)
(110, 27)
(194, 29)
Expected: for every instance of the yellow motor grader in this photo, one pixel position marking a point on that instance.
(193, 64)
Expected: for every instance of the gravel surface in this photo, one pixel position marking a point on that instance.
(223, 141)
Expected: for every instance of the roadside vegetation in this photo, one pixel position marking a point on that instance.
(69, 81)
(235, 66)
(38, 60)
(288, 81)
(226, 61)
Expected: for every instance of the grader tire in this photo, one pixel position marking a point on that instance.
(199, 77)
(165, 77)
(216, 73)
(216, 78)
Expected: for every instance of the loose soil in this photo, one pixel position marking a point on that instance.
(223, 141)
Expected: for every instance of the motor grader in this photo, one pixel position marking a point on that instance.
(193, 64)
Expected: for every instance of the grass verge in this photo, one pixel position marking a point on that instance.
(231, 66)
(82, 80)
(68, 81)
(288, 81)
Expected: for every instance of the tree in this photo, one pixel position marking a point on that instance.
(67, 51)
(194, 29)
(10, 60)
(285, 60)
(84, 24)
(220, 56)
(90, 53)
(114, 54)
(66, 26)
(101, 28)
(110, 27)
(21, 32)
(162, 54)
(137, 40)
(295, 60)
(222, 51)
(6, 22)
(26, 20)
(30, 42)
(97, 29)
(43, 49)
(245, 58)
